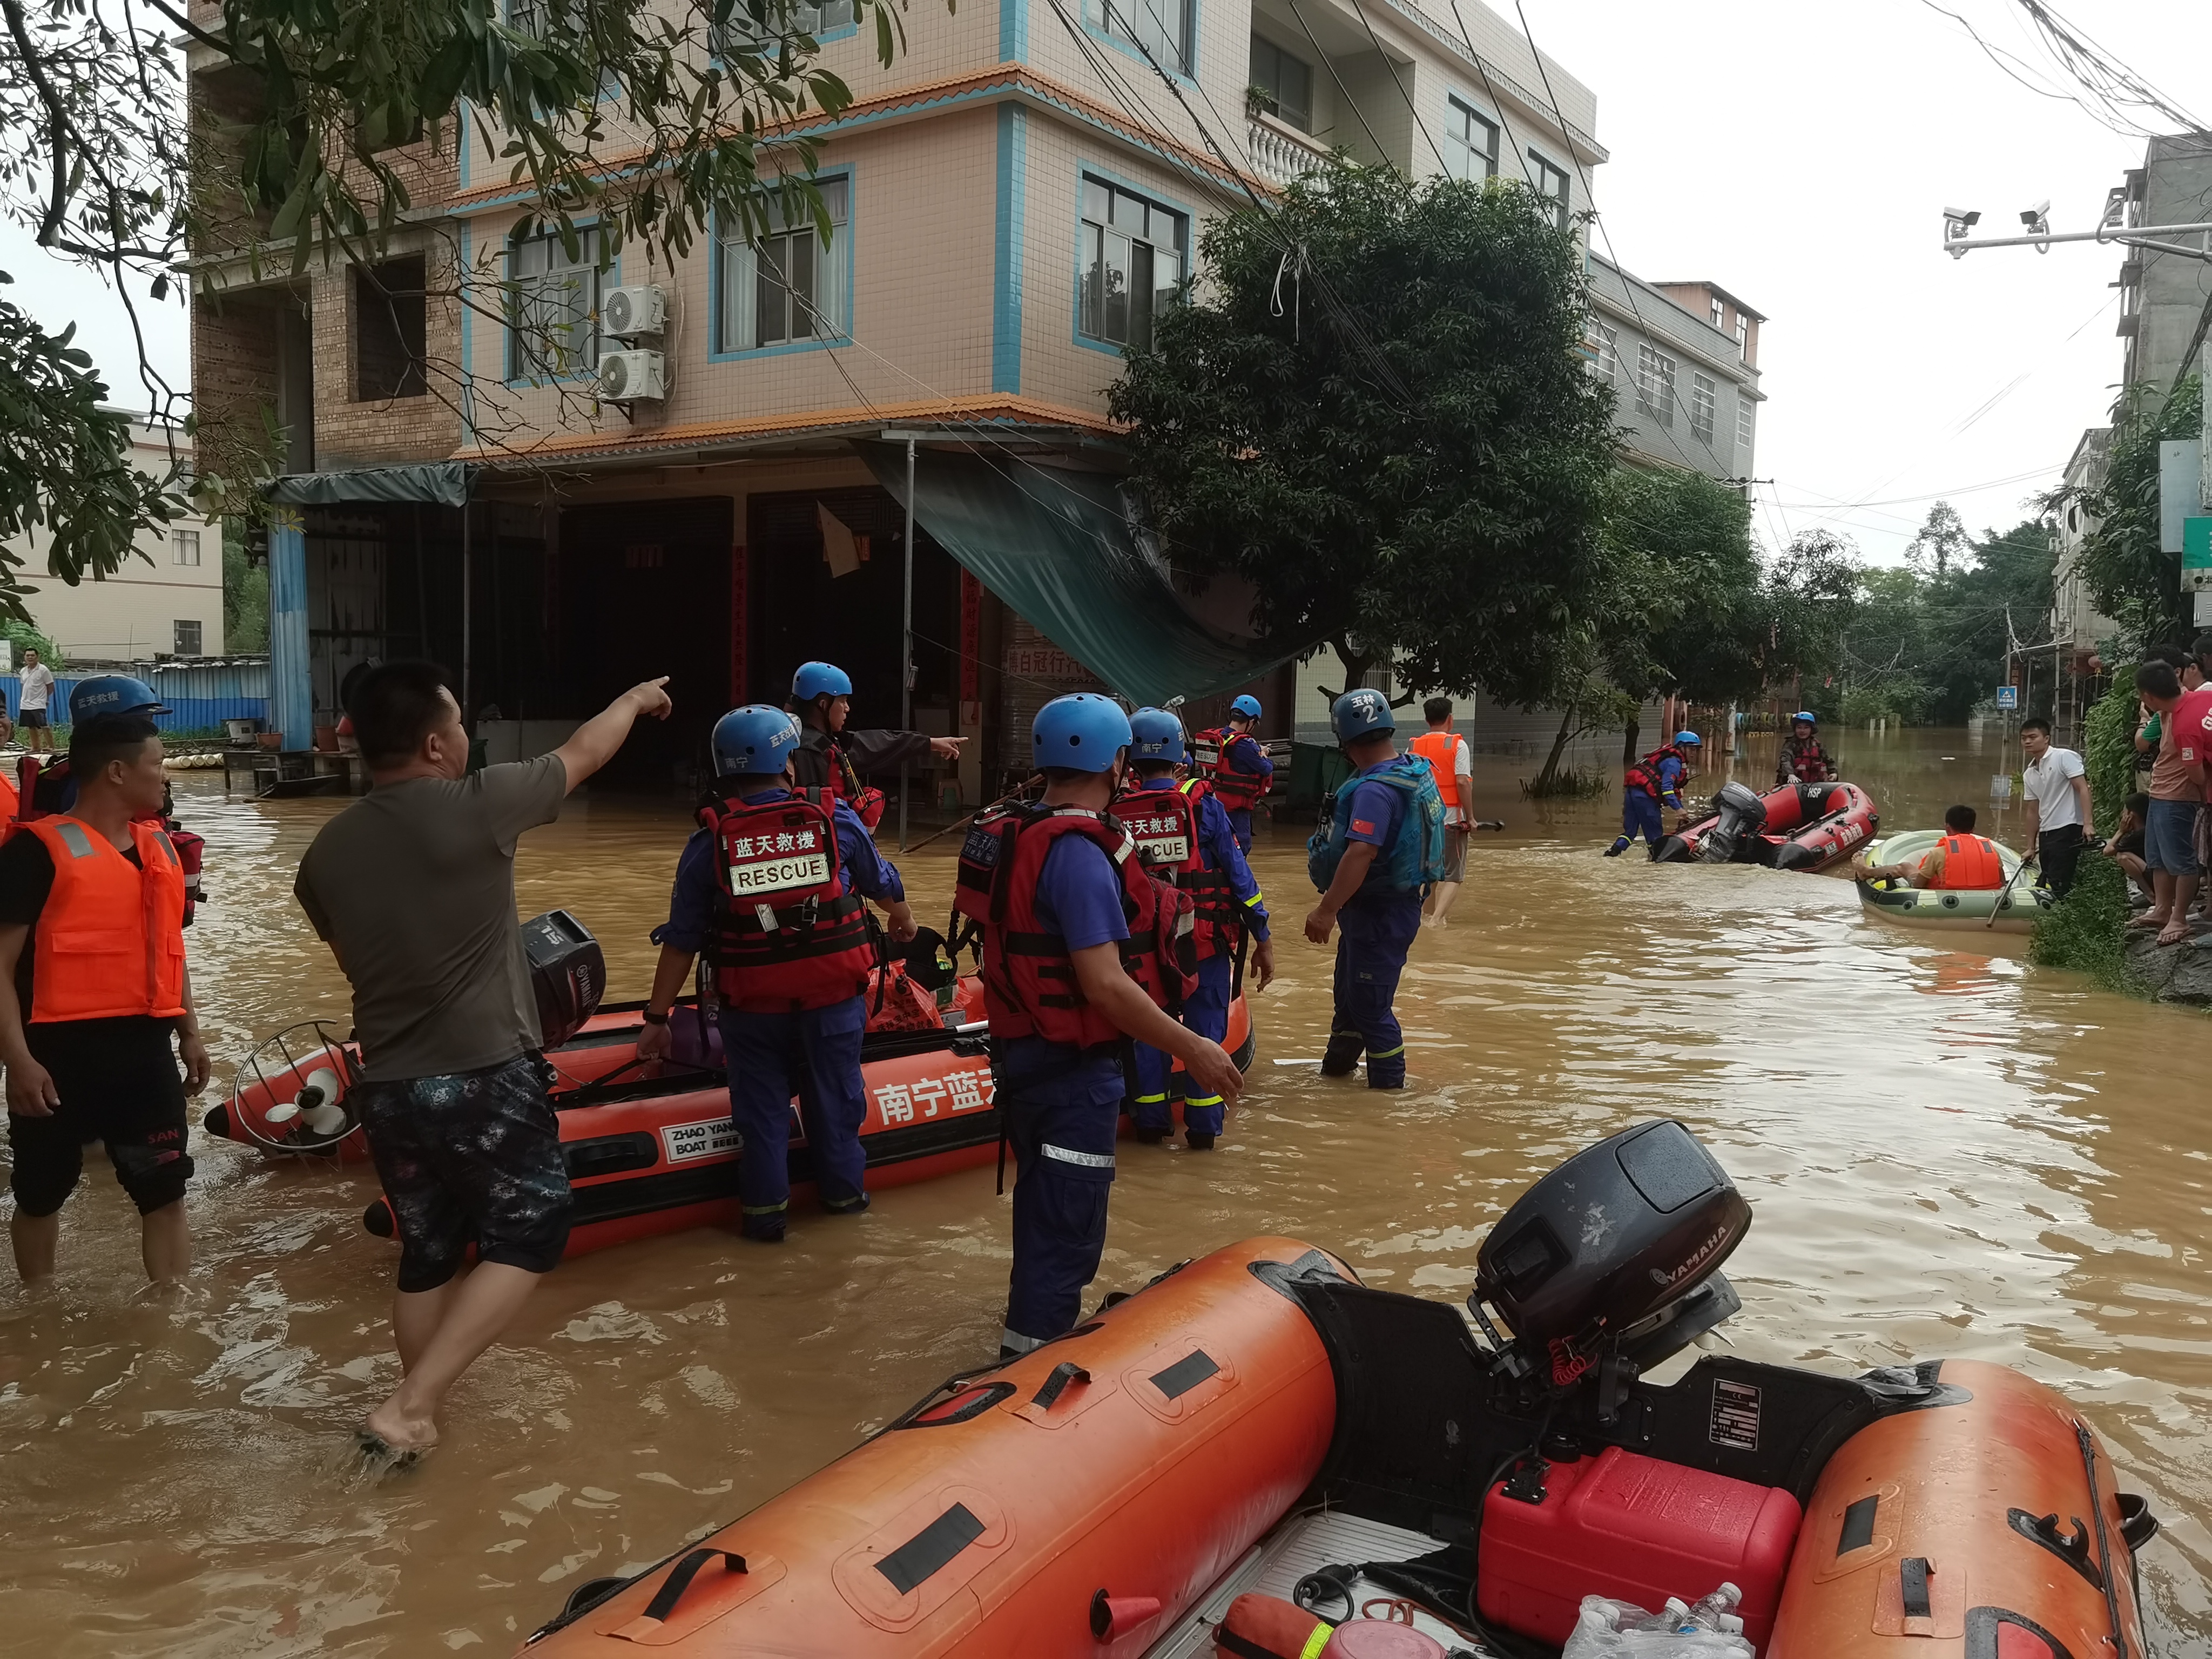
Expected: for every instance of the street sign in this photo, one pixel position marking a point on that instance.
(2008, 697)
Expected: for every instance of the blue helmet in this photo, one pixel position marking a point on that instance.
(1155, 734)
(1806, 716)
(1246, 708)
(754, 741)
(1689, 739)
(1361, 713)
(1082, 732)
(113, 694)
(820, 679)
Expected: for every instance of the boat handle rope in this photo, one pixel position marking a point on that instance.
(672, 1587)
(1913, 1575)
(1065, 1372)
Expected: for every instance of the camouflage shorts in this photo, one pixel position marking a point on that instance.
(472, 1158)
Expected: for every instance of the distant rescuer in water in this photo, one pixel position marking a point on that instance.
(413, 888)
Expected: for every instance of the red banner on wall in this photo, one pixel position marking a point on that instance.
(971, 635)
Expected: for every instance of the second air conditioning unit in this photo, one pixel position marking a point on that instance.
(642, 308)
(625, 376)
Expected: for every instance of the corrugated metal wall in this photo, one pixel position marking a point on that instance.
(201, 696)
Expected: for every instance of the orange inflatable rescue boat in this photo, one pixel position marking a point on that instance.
(1257, 1455)
(651, 1155)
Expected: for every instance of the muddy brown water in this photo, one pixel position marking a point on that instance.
(1948, 1152)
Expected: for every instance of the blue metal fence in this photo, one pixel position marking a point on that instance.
(201, 696)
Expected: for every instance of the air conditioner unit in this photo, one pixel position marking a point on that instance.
(632, 376)
(640, 309)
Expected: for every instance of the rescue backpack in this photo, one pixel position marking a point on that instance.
(1414, 860)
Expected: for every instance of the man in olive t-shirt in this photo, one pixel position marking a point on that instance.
(413, 887)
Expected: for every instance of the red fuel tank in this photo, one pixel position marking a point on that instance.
(1634, 1529)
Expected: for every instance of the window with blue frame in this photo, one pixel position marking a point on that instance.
(1134, 252)
(553, 307)
(1159, 26)
(789, 284)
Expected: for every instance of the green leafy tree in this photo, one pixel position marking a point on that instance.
(598, 109)
(1941, 540)
(244, 594)
(2130, 579)
(1375, 411)
(67, 483)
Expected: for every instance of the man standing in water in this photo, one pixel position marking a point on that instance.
(1449, 758)
(1383, 846)
(413, 888)
(92, 987)
(2058, 792)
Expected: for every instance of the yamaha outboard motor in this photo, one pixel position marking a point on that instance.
(1742, 814)
(568, 970)
(1611, 1263)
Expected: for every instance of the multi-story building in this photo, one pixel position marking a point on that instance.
(165, 600)
(2164, 295)
(1009, 203)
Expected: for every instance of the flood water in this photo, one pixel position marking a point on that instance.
(1949, 1152)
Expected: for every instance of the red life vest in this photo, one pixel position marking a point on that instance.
(841, 781)
(1809, 761)
(110, 940)
(1971, 865)
(1164, 823)
(788, 934)
(1209, 757)
(1644, 775)
(1029, 977)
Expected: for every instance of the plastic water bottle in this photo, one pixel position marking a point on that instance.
(1710, 1609)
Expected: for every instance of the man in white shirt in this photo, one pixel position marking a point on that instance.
(38, 688)
(2057, 794)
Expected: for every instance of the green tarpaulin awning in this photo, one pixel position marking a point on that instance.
(443, 483)
(1058, 547)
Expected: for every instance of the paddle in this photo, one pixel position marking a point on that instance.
(2005, 893)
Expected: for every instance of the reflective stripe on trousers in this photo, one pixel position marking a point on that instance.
(1062, 1126)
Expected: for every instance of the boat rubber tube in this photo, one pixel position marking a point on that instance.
(1073, 1503)
(2015, 906)
(1990, 1527)
(1807, 826)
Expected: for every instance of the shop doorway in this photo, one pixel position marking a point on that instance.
(645, 590)
(801, 610)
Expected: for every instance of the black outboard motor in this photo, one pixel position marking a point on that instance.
(568, 971)
(1611, 1263)
(1741, 814)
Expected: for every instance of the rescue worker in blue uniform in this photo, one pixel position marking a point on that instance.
(771, 888)
(1654, 781)
(1379, 847)
(839, 757)
(1079, 956)
(1183, 832)
(1231, 760)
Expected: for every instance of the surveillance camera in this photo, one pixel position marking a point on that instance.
(1962, 217)
(2037, 218)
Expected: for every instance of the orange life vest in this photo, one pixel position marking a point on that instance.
(1971, 864)
(111, 939)
(1440, 750)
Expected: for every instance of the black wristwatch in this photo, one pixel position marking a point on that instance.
(652, 1018)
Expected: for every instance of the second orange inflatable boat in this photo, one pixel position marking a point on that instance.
(1255, 1445)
